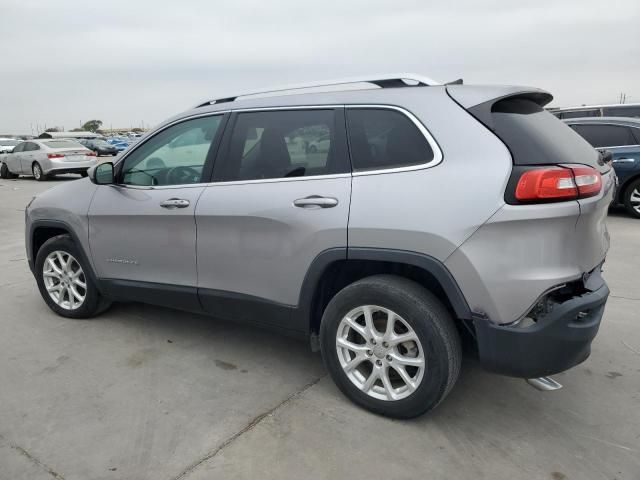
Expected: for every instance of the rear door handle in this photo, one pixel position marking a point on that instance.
(316, 201)
(624, 160)
(175, 203)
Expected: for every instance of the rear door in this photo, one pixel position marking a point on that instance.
(142, 230)
(13, 159)
(273, 207)
(27, 157)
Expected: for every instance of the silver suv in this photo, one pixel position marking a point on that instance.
(435, 213)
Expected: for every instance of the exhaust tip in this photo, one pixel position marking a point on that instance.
(544, 384)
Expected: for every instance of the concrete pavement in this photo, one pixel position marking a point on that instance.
(150, 393)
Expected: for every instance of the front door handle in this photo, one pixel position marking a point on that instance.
(624, 160)
(316, 201)
(175, 203)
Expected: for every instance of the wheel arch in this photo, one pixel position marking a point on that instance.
(622, 189)
(334, 269)
(42, 230)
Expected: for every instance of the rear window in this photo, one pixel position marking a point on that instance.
(383, 138)
(63, 144)
(536, 137)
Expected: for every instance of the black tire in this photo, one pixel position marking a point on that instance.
(94, 303)
(430, 321)
(633, 189)
(38, 174)
(4, 171)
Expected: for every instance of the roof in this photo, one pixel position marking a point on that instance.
(384, 80)
(628, 121)
(69, 135)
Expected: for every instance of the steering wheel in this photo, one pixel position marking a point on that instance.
(181, 174)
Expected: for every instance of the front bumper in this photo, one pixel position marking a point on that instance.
(558, 341)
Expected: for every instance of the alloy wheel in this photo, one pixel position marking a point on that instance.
(64, 280)
(380, 353)
(634, 199)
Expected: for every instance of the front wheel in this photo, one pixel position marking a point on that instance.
(5, 173)
(37, 172)
(632, 199)
(390, 346)
(64, 282)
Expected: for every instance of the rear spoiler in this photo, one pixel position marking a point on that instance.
(479, 100)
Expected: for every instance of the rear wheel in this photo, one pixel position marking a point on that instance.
(37, 172)
(632, 199)
(390, 346)
(63, 280)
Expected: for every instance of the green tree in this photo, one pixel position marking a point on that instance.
(53, 129)
(92, 125)
(137, 130)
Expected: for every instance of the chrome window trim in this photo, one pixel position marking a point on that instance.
(436, 160)
(163, 128)
(437, 152)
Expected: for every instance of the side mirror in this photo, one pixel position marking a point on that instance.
(102, 174)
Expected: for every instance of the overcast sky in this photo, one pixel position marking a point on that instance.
(126, 62)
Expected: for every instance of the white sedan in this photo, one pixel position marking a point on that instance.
(43, 158)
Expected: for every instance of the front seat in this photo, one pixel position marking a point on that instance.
(274, 159)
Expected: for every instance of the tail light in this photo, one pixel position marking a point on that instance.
(55, 155)
(557, 183)
(91, 154)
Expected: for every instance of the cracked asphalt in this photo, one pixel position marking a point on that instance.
(150, 393)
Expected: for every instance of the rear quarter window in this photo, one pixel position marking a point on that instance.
(384, 138)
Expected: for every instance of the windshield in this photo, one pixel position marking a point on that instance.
(9, 143)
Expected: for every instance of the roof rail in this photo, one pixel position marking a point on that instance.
(382, 81)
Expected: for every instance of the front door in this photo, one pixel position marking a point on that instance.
(142, 230)
(274, 205)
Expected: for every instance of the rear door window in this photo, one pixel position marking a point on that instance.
(283, 144)
(385, 138)
(606, 135)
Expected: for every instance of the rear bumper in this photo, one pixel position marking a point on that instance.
(557, 342)
(57, 167)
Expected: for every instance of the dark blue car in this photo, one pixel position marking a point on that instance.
(620, 136)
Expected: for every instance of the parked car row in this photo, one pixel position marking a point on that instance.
(8, 144)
